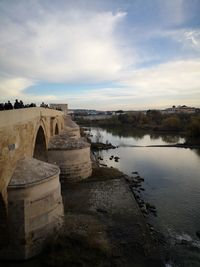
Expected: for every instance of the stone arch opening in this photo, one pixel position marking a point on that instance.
(3, 222)
(40, 150)
(56, 129)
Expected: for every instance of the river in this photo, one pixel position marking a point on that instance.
(172, 184)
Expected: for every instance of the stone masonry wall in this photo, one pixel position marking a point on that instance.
(75, 164)
(18, 129)
(35, 209)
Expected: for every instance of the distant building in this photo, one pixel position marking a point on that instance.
(119, 112)
(62, 107)
(96, 117)
(180, 109)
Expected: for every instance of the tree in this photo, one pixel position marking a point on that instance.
(171, 123)
(194, 127)
(120, 111)
(154, 116)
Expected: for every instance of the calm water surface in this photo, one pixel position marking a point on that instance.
(172, 184)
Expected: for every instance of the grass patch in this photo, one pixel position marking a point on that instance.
(82, 242)
(103, 174)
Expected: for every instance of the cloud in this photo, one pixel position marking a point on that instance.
(188, 38)
(61, 42)
(63, 47)
(175, 82)
(11, 87)
(177, 77)
(157, 87)
(192, 38)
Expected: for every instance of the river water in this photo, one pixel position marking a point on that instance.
(172, 184)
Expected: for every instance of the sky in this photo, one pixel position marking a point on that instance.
(101, 54)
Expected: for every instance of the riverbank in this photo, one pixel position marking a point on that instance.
(104, 226)
(152, 120)
(193, 143)
(115, 225)
(190, 131)
(171, 184)
(102, 146)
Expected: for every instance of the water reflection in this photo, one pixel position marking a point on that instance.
(169, 139)
(128, 132)
(172, 184)
(130, 137)
(197, 151)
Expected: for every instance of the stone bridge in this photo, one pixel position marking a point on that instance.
(37, 145)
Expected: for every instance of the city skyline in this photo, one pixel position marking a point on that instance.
(103, 55)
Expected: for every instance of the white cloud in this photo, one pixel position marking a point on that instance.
(11, 87)
(63, 48)
(188, 38)
(192, 38)
(164, 85)
(65, 45)
(178, 77)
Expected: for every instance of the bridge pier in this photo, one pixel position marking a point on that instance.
(72, 156)
(35, 209)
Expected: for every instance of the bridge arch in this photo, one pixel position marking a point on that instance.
(56, 129)
(40, 143)
(55, 126)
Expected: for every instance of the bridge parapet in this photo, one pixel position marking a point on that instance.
(19, 116)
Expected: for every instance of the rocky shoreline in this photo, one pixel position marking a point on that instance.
(169, 243)
(135, 184)
(107, 197)
(104, 226)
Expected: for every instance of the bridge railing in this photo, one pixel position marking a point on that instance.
(15, 116)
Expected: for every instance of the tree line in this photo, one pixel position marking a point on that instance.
(152, 120)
